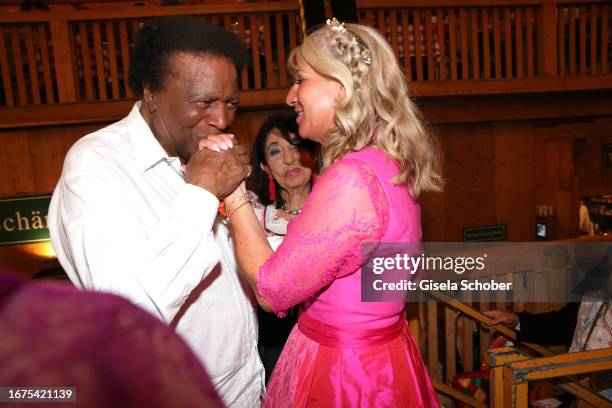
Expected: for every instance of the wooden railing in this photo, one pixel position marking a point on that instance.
(83, 56)
(468, 46)
(458, 47)
(454, 336)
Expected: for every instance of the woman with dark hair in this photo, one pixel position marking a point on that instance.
(281, 179)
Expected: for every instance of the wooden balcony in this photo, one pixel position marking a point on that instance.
(76, 62)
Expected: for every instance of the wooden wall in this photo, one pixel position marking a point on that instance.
(497, 173)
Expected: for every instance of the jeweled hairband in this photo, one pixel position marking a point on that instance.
(365, 54)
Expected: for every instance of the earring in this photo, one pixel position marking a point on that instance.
(271, 188)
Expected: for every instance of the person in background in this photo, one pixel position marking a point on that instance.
(283, 167)
(110, 352)
(350, 95)
(584, 219)
(135, 210)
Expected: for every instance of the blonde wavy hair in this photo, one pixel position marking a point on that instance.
(376, 102)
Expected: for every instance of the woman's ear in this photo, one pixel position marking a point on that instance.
(150, 100)
(340, 92)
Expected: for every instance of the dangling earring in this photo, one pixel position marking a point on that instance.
(271, 188)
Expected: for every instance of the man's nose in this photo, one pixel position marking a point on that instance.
(219, 117)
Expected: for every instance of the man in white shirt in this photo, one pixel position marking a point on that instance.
(135, 209)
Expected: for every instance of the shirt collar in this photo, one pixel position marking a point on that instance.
(147, 149)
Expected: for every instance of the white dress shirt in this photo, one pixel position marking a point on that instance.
(123, 220)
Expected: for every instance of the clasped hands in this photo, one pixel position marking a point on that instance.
(221, 166)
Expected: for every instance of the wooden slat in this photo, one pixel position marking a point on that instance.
(369, 18)
(441, 43)
(595, 14)
(245, 71)
(46, 65)
(292, 31)
(124, 43)
(572, 39)
(280, 47)
(254, 28)
(418, 45)
(7, 84)
(582, 44)
(531, 58)
(272, 81)
(465, 59)
(497, 44)
(18, 65)
(432, 341)
(561, 41)
(452, 42)
(605, 40)
(429, 46)
(518, 41)
(112, 59)
(468, 341)
(99, 61)
(406, 44)
(86, 61)
(394, 40)
(484, 333)
(380, 22)
(486, 47)
(450, 335)
(475, 43)
(32, 65)
(508, 42)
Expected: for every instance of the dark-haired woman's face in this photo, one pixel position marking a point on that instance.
(290, 166)
(199, 99)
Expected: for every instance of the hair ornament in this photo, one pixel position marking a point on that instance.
(365, 54)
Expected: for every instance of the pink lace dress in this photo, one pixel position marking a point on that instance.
(344, 352)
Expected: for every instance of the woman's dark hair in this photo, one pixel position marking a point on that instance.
(258, 182)
(158, 41)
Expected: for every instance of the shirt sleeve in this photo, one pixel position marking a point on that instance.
(110, 245)
(346, 207)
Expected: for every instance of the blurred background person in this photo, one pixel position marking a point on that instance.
(112, 353)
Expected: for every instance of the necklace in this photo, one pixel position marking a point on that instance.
(289, 211)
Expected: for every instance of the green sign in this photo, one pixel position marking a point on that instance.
(486, 233)
(23, 220)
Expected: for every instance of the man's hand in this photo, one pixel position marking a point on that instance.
(508, 319)
(218, 172)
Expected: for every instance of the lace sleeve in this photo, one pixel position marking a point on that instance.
(346, 207)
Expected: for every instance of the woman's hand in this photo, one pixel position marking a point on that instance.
(216, 143)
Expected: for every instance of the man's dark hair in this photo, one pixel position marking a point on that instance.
(161, 39)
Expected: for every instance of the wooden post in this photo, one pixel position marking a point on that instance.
(63, 60)
(547, 40)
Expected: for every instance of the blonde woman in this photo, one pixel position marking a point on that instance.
(350, 95)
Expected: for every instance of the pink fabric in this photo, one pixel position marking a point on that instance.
(318, 265)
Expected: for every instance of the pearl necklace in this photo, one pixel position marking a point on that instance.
(289, 211)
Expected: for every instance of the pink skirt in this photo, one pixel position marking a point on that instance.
(309, 374)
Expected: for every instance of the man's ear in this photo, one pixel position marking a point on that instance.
(149, 99)
(264, 168)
